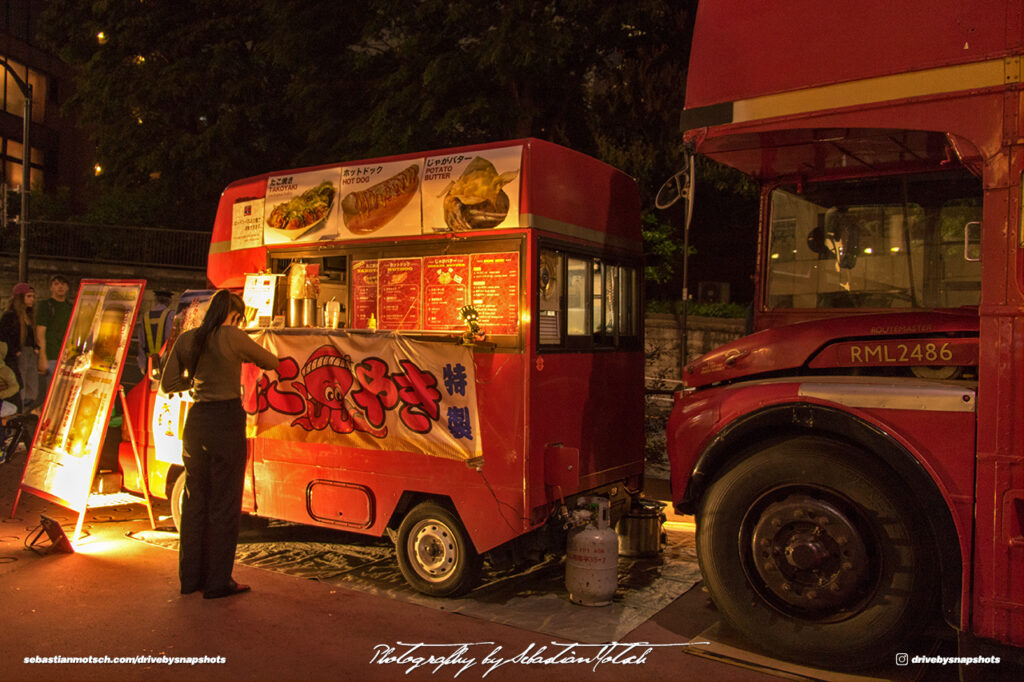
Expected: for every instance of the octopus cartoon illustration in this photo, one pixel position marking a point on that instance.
(326, 380)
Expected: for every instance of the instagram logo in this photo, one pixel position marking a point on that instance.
(902, 659)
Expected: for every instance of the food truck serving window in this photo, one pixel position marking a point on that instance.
(422, 287)
(586, 302)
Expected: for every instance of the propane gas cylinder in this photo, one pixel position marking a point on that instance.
(592, 555)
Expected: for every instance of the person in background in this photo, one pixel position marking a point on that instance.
(17, 330)
(52, 318)
(8, 385)
(155, 329)
(208, 360)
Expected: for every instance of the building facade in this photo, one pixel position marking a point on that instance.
(61, 155)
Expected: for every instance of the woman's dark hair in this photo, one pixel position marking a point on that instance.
(26, 315)
(221, 306)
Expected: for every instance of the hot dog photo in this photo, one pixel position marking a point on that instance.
(381, 199)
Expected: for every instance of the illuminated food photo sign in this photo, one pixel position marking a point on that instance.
(62, 461)
(477, 190)
(456, 192)
(300, 207)
(380, 199)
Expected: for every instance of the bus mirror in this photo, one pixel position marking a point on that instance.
(676, 188)
(842, 237)
(816, 241)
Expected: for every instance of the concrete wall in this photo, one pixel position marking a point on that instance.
(663, 372)
(663, 341)
(40, 271)
(176, 280)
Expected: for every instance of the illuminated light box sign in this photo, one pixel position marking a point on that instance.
(64, 454)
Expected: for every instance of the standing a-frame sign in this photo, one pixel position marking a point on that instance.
(65, 452)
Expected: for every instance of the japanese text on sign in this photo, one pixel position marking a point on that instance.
(381, 391)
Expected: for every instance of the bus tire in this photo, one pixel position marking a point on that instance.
(434, 552)
(809, 550)
(177, 497)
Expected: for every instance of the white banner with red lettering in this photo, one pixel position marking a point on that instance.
(378, 391)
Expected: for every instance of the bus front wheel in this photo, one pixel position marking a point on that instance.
(809, 550)
(434, 551)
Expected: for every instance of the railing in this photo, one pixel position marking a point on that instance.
(111, 244)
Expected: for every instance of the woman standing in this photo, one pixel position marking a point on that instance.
(214, 443)
(17, 330)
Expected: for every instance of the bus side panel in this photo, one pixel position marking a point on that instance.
(998, 597)
(140, 413)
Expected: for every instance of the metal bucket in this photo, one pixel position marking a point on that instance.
(301, 312)
(640, 529)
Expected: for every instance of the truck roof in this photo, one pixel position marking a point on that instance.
(559, 190)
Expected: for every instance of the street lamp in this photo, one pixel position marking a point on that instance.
(26, 162)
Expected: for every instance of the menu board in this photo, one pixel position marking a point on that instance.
(300, 207)
(259, 296)
(445, 292)
(400, 293)
(380, 199)
(247, 224)
(427, 293)
(494, 291)
(62, 461)
(364, 293)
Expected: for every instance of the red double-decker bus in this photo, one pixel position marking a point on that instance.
(856, 465)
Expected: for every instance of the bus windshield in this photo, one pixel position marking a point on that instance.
(899, 241)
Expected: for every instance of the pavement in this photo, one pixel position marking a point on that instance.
(113, 606)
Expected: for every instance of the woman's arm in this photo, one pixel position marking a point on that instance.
(250, 351)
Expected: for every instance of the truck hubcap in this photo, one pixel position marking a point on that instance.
(809, 558)
(434, 550)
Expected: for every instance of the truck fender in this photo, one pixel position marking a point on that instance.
(472, 506)
(780, 422)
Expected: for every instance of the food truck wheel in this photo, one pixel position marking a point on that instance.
(809, 549)
(434, 552)
(177, 496)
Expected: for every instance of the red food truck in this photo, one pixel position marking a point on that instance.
(461, 344)
(856, 465)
